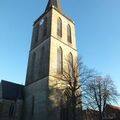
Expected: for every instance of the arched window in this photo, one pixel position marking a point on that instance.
(33, 104)
(36, 32)
(32, 66)
(45, 27)
(59, 60)
(42, 58)
(42, 62)
(70, 64)
(69, 38)
(59, 27)
(11, 110)
(64, 112)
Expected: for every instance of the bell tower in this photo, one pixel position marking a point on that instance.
(53, 39)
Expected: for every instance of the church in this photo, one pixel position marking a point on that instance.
(53, 39)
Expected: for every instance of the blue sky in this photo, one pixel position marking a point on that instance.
(97, 30)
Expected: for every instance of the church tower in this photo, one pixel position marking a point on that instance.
(53, 39)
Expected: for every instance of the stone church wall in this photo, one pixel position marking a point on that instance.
(62, 42)
(47, 26)
(41, 63)
(11, 114)
(37, 109)
(65, 21)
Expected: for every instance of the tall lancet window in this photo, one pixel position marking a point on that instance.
(33, 104)
(59, 27)
(43, 59)
(36, 32)
(59, 60)
(69, 37)
(11, 110)
(42, 62)
(70, 64)
(32, 66)
(45, 27)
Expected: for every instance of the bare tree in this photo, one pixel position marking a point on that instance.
(100, 92)
(75, 75)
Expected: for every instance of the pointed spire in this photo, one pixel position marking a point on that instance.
(55, 3)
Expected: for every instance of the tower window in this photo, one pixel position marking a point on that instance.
(33, 66)
(64, 112)
(42, 58)
(11, 110)
(69, 38)
(70, 64)
(36, 32)
(42, 70)
(33, 104)
(45, 27)
(59, 27)
(59, 60)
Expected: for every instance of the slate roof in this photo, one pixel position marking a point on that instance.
(11, 91)
(55, 3)
(113, 107)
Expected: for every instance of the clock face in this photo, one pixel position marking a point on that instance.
(41, 21)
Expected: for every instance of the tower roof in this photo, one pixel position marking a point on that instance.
(55, 3)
